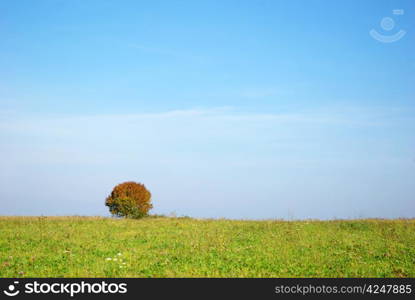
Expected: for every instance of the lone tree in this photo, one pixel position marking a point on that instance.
(129, 199)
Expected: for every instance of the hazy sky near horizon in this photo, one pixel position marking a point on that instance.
(237, 109)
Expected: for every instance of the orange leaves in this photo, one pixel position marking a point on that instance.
(129, 199)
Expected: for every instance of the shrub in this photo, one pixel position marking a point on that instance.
(129, 199)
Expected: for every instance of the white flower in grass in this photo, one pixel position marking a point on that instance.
(119, 254)
(108, 258)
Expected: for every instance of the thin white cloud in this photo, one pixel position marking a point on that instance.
(259, 92)
(216, 132)
(164, 51)
(153, 50)
(324, 115)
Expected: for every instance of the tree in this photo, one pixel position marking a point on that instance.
(129, 199)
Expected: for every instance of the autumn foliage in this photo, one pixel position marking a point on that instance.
(129, 199)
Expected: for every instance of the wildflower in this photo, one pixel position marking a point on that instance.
(108, 258)
(119, 254)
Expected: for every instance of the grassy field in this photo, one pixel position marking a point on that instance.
(184, 247)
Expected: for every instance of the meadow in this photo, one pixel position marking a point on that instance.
(186, 247)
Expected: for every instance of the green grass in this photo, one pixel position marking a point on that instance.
(185, 247)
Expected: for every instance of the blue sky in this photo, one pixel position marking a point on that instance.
(238, 109)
